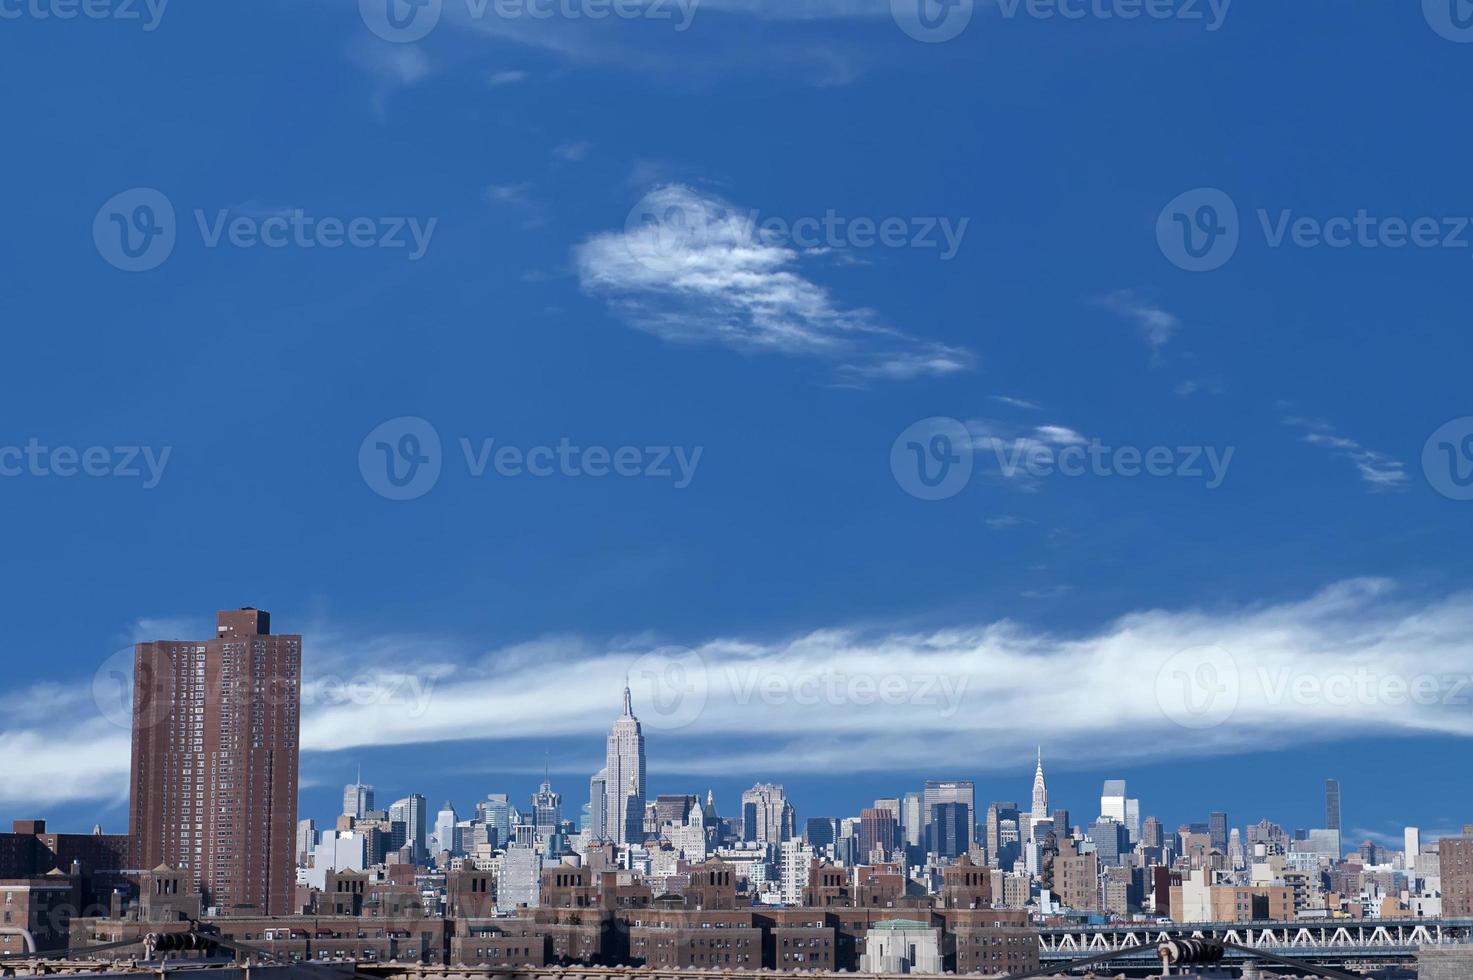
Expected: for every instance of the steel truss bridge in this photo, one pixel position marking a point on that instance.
(1328, 941)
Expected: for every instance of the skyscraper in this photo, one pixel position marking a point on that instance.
(949, 791)
(1332, 804)
(598, 814)
(951, 835)
(547, 809)
(1217, 830)
(446, 836)
(1040, 791)
(767, 816)
(411, 811)
(998, 814)
(913, 820)
(624, 775)
(877, 833)
(498, 814)
(214, 770)
(357, 799)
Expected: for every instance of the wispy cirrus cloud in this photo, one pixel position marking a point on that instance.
(1155, 324)
(1008, 446)
(1380, 472)
(690, 268)
(1353, 659)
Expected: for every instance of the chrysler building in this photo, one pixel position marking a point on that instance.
(1040, 793)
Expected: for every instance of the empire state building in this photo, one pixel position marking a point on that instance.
(625, 780)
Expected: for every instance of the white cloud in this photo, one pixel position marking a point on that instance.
(575, 152)
(513, 194)
(698, 271)
(1010, 446)
(1382, 473)
(512, 77)
(1016, 402)
(1351, 661)
(394, 64)
(1155, 324)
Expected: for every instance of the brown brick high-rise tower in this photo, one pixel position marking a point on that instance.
(214, 778)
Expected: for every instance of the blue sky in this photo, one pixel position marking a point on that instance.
(614, 252)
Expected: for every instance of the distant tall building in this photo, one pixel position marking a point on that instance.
(499, 815)
(1111, 839)
(794, 861)
(1217, 830)
(913, 820)
(624, 775)
(1412, 846)
(949, 791)
(412, 813)
(951, 834)
(999, 814)
(820, 832)
(767, 816)
(1112, 800)
(1153, 835)
(357, 799)
(877, 832)
(598, 814)
(306, 840)
(1332, 804)
(1040, 792)
(446, 835)
(214, 770)
(547, 809)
